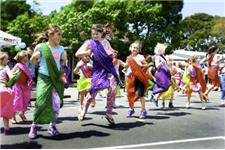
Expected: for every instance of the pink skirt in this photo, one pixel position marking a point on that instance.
(22, 97)
(6, 102)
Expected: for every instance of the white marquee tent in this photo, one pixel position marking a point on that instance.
(8, 40)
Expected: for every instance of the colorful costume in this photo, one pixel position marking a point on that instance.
(213, 70)
(197, 82)
(46, 107)
(84, 82)
(104, 75)
(163, 77)
(22, 89)
(137, 81)
(6, 95)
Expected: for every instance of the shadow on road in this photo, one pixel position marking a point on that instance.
(177, 114)
(121, 126)
(24, 145)
(18, 130)
(83, 134)
(101, 113)
(61, 119)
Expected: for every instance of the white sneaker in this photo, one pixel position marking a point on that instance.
(203, 107)
(222, 102)
(187, 105)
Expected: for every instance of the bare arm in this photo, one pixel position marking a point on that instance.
(35, 57)
(76, 70)
(64, 57)
(83, 51)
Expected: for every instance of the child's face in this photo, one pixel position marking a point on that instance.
(86, 58)
(56, 37)
(25, 59)
(96, 35)
(5, 61)
(135, 48)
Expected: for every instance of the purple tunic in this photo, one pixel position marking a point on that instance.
(163, 79)
(102, 68)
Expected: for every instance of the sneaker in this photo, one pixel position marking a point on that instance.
(203, 107)
(7, 131)
(187, 105)
(52, 130)
(171, 105)
(143, 114)
(130, 113)
(81, 115)
(222, 102)
(33, 132)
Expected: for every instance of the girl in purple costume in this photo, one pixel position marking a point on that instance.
(104, 74)
(163, 76)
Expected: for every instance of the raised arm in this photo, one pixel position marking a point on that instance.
(83, 50)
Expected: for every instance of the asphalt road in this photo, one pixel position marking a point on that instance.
(178, 128)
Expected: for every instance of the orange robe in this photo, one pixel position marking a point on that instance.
(137, 73)
(199, 78)
(213, 75)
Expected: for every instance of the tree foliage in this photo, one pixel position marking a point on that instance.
(148, 21)
(27, 25)
(201, 31)
(10, 9)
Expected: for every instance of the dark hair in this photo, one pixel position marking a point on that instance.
(211, 49)
(98, 27)
(104, 29)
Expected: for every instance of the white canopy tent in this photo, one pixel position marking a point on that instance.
(8, 40)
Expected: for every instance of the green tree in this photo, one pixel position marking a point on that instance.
(27, 25)
(148, 21)
(196, 31)
(10, 9)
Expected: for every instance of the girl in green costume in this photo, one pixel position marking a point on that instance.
(50, 87)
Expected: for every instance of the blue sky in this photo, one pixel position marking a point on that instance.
(211, 7)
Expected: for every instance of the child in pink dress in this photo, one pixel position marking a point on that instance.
(6, 94)
(22, 87)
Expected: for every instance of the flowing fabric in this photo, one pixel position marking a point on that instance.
(22, 89)
(213, 72)
(6, 96)
(102, 67)
(137, 73)
(163, 80)
(200, 78)
(44, 113)
(83, 84)
(197, 82)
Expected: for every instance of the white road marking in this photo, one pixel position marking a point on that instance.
(164, 143)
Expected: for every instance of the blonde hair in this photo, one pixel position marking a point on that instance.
(44, 36)
(160, 48)
(20, 55)
(194, 58)
(3, 55)
(139, 43)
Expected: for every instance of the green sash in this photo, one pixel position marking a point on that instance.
(43, 112)
(54, 73)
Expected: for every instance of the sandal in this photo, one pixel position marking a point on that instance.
(110, 120)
